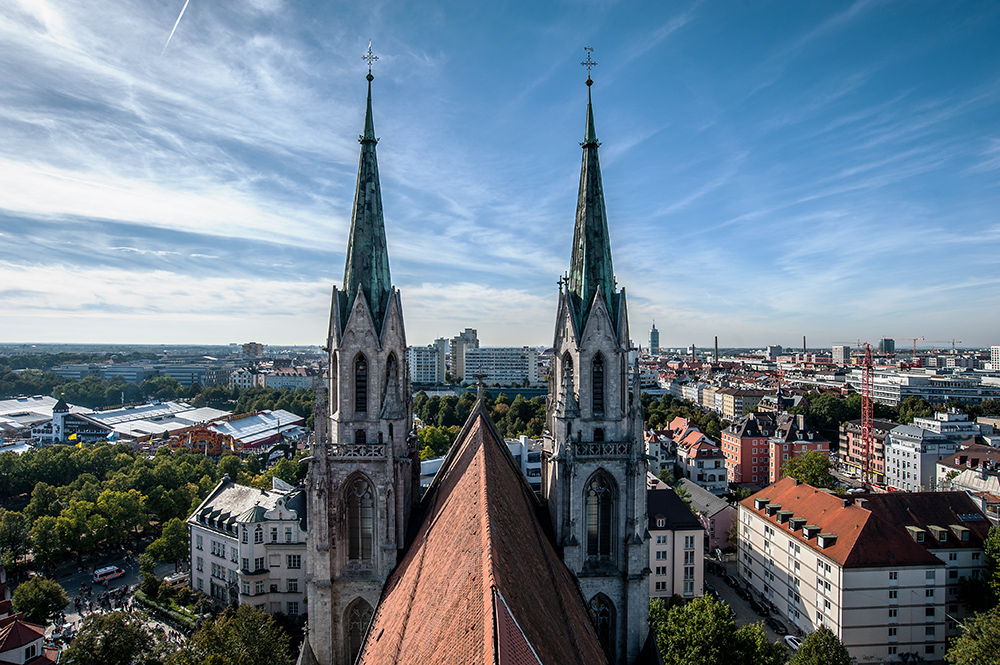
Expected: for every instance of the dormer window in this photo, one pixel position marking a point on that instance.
(661, 522)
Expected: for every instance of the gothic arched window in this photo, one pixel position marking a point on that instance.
(360, 520)
(360, 436)
(361, 384)
(359, 615)
(597, 378)
(602, 613)
(598, 434)
(600, 501)
(567, 369)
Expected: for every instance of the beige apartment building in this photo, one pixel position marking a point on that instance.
(879, 570)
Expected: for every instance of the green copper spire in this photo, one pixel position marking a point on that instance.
(590, 265)
(367, 256)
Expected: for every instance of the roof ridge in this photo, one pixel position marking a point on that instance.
(490, 648)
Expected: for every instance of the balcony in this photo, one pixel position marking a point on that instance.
(602, 449)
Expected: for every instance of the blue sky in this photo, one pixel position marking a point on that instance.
(771, 169)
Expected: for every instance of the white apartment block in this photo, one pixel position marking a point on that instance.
(504, 365)
(936, 387)
(249, 545)
(911, 456)
(995, 358)
(676, 547)
(953, 425)
(880, 570)
(425, 364)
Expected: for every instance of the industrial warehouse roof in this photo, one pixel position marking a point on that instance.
(481, 583)
(255, 429)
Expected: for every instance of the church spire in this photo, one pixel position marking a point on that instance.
(367, 255)
(590, 265)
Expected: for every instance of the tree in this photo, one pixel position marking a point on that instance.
(812, 468)
(979, 643)
(45, 541)
(124, 511)
(230, 464)
(172, 545)
(15, 532)
(246, 636)
(114, 638)
(753, 648)
(40, 599)
(821, 647)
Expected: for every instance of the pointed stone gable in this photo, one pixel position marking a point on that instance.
(481, 583)
(591, 271)
(367, 254)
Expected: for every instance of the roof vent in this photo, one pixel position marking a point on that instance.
(759, 504)
(825, 540)
(846, 501)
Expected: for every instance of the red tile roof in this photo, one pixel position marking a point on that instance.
(16, 632)
(481, 583)
(864, 537)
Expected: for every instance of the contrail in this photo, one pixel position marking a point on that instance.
(174, 29)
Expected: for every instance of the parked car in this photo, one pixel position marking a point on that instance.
(730, 580)
(710, 591)
(793, 642)
(776, 626)
(741, 592)
(759, 607)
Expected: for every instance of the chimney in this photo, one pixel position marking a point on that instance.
(716, 348)
(803, 344)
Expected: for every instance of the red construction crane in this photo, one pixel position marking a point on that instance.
(914, 361)
(867, 438)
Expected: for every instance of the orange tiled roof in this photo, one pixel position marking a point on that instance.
(481, 583)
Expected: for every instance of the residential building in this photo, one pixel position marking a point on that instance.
(715, 514)
(441, 344)
(502, 365)
(24, 643)
(792, 437)
(911, 456)
(953, 425)
(841, 355)
(424, 363)
(879, 570)
(291, 378)
(745, 445)
(676, 547)
(887, 345)
(700, 459)
(253, 349)
(738, 402)
(467, 339)
(995, 358)
(248, 545)
(852, 451)
(246, 378)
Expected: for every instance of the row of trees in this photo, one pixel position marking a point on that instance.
(512, 417)
(82, 498)
(702, 632)
(242, 636)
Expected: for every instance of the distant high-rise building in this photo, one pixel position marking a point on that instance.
(505, 365)
(253, 349)
(887, 345)
(654, 340)
(841, 355)
(441, 344)
(423, 364)
(995, 358)
(773, 351)
(459, 343)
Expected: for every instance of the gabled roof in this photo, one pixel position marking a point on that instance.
(703, 501)
(666, 505)
(481, 583)
(870, 529)
(15, 632)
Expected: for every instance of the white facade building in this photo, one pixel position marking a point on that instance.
(249, 545)
(676, 547)
(911, 456)
(504, 365)
(881, 571)
(426, 364)
(952, 425)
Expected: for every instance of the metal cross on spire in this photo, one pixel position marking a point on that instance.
(588, 63)
(369, 57)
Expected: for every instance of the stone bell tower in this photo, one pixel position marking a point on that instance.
(594, 473)
(364, 468)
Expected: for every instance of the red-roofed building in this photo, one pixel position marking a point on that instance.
(746, 448)
(701, 461)
(879, 570)
(22, 643)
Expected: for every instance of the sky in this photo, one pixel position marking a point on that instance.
(772, 169)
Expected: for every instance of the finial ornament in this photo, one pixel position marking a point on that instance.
(589, 64)
(369, 57)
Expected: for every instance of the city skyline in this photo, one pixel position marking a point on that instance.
(825, 170)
